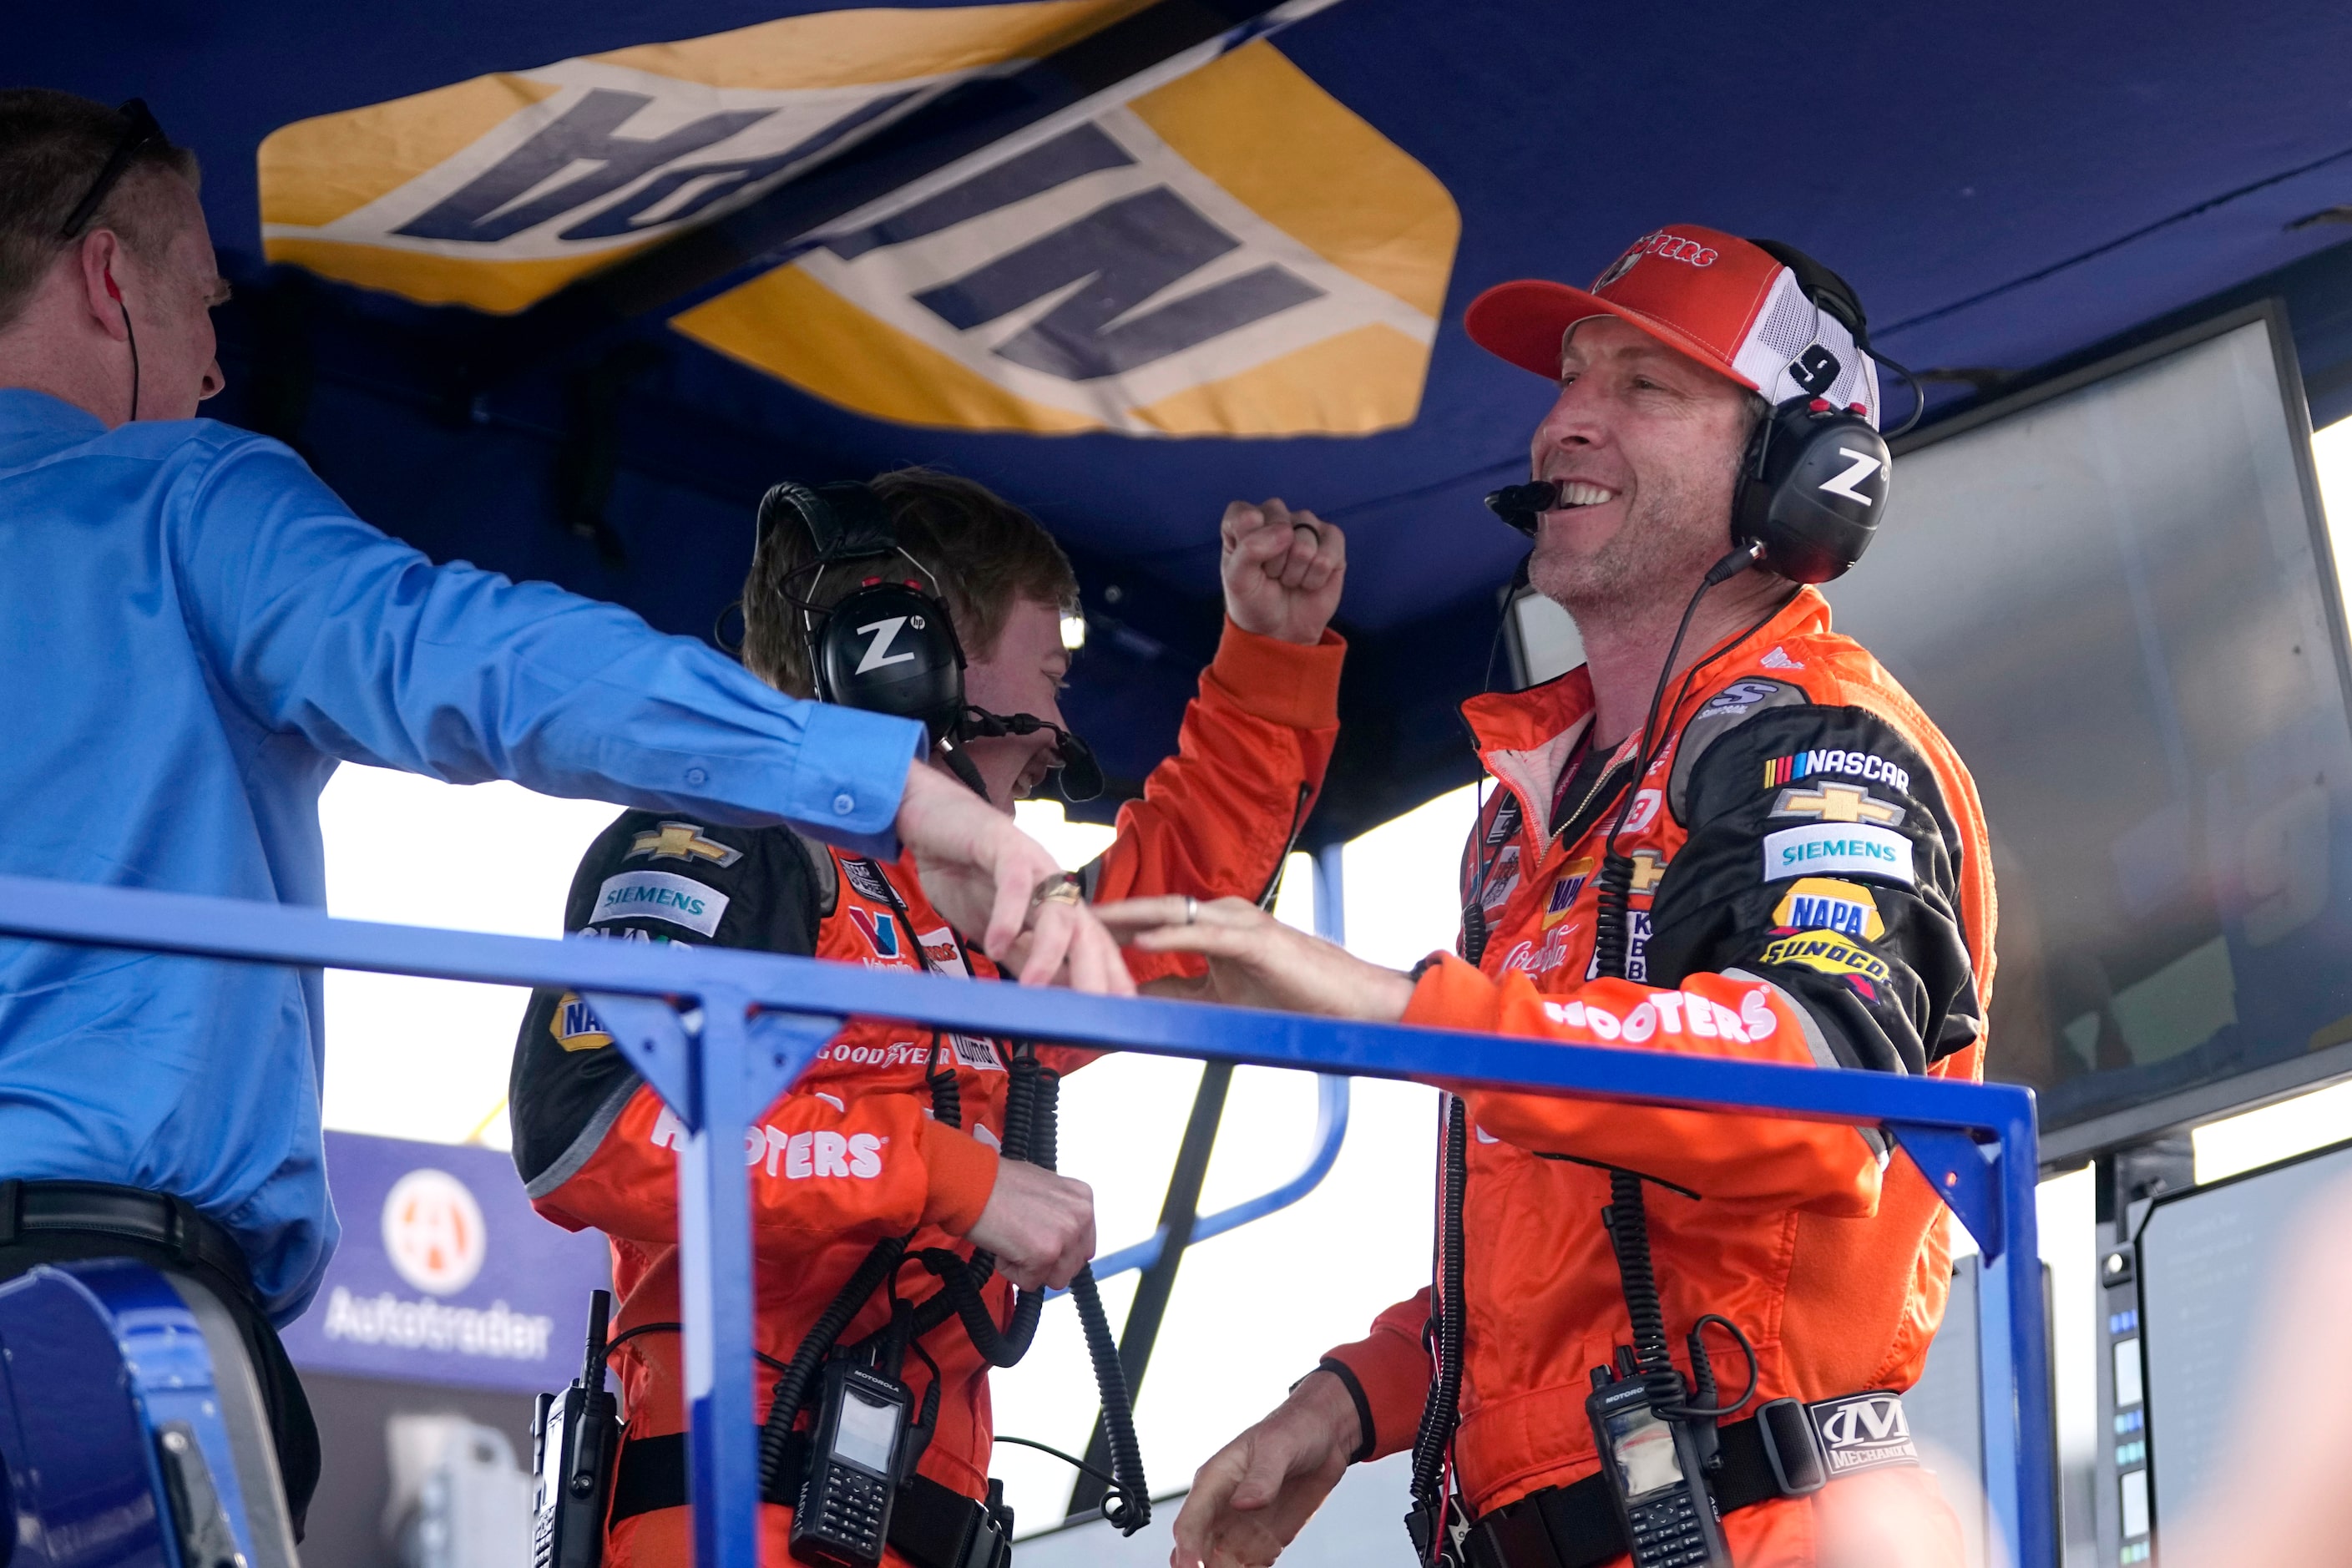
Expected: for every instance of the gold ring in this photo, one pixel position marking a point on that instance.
(1061, 888)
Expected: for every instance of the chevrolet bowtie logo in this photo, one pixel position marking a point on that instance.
(682, 841)
(1837, 803)
(1649, 871)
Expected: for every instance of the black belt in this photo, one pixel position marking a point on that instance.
(931, 1526)
(95, 1208)
(1785, 1450)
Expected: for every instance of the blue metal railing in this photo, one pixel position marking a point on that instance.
(1331, 1131)
(719, 1032)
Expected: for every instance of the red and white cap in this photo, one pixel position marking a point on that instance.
(1712, 296)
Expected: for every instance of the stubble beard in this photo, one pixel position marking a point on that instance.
(1661, 551)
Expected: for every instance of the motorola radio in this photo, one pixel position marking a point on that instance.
(576, 1437)
(1655, 1475)
(843, 1516)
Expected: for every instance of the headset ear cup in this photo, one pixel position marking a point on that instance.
(1812, 491)
(889, 649)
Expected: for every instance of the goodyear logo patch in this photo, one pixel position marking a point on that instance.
(1828, 953)
(576, 1026)
(1233, 253)
(1824, 903)
(659, 895)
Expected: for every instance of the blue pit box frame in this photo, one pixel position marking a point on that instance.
(719, 1032)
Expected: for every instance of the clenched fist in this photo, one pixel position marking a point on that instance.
(1283, 570)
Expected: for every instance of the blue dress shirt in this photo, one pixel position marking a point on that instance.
(193, 631)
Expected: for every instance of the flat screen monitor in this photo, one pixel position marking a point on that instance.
(2115, 594)
(2213, 1264)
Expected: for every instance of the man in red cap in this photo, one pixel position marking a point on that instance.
(1730, 833)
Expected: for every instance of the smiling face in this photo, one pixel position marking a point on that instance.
(1023, 673)
(1646, 445)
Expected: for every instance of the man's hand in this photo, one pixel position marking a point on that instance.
(1255, 1493)
(1283, 571)
(1256, 960)
(1041, 1226)
(982, 873)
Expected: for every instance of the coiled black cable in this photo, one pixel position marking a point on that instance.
(1627, 1221)
(1127, 1505)
(947, 1093)
(791, 1389)
(1442, 1410)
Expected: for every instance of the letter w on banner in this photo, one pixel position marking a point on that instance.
(1235, 253)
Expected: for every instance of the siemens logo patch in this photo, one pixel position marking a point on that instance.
(1836, 847)
(659, 895)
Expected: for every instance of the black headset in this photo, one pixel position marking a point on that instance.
(887, 646)
(890, 645)
(1813, 480)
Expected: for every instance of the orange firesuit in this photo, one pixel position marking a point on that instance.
(852, 1152)
(1811, 886)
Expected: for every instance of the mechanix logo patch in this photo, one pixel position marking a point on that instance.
(1232, 253)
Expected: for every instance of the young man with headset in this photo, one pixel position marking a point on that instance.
(903, 1152)
(1730, 833)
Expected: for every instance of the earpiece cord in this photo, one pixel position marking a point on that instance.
(1919, 397)
(132, 338)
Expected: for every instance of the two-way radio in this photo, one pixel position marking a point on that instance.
(1655, 1473)
(842, 1515)
(576, 1437)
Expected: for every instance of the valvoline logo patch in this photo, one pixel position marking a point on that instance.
(879, 930)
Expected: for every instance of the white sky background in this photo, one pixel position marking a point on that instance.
(427, 1060)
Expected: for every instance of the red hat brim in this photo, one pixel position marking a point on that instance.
(1523, 322)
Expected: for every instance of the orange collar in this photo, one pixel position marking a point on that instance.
(1524, 738)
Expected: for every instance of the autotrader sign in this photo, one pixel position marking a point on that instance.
(444, 1274)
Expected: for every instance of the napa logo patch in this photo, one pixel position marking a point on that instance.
(1823, 903)
(659, 895)
(575, 1026)
(1563, 891)
(880, 928)
(1233, 252)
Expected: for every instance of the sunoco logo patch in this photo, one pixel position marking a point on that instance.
(1234, 253)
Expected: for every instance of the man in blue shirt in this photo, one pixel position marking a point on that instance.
(193, 631)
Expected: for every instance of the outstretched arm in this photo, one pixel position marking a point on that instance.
(317, 625)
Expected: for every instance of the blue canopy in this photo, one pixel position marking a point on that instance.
(560, 288)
